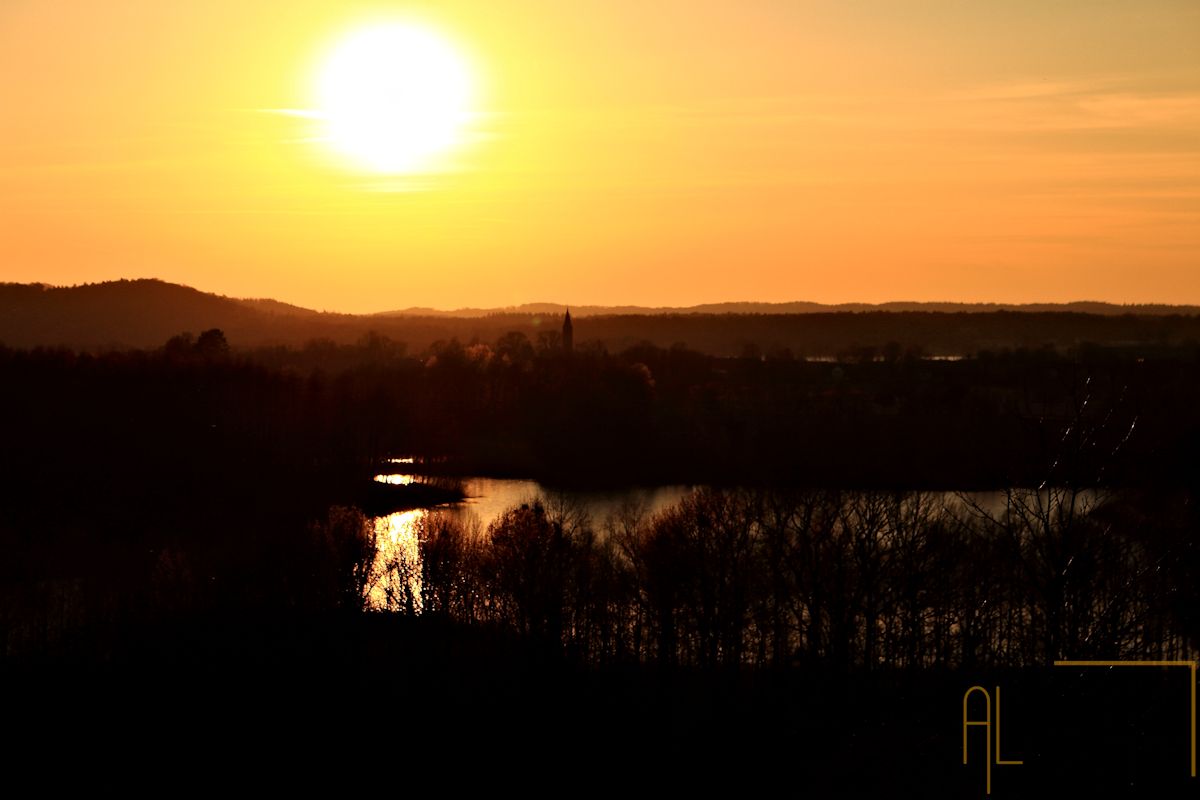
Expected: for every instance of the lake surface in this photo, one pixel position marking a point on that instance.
(488, 498)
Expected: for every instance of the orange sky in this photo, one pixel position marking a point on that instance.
(661, 153)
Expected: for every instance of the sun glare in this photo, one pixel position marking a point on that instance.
(395, 98)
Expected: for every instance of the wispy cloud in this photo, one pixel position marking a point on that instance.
(303, 113)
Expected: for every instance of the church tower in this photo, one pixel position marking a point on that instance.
(568, 334)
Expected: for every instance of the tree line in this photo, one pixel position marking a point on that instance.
(140, 483)
(819, 579)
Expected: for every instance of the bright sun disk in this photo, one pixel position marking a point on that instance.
(395, 98)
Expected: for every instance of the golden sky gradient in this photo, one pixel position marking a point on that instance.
(661, 153)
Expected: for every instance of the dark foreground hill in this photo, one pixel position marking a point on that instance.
(145, 313)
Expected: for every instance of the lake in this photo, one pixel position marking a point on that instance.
(488, 498)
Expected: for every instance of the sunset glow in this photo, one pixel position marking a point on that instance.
(600, 152)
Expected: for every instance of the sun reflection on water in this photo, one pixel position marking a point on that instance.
(396, 574)
(396, 479)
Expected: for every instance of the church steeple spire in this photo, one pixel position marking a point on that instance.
(568, 334)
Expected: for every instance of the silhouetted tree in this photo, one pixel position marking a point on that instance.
(179, 346)
(345, 549)
(212, 344)
(528, 558)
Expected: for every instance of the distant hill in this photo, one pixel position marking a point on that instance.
(276, 307)
(799, 307)
(145, 313)
(133, 313)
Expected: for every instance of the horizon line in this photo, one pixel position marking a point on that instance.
(623, 307)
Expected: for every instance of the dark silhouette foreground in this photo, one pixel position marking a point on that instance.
(183, 545)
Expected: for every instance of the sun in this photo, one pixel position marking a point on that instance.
(395, 98)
